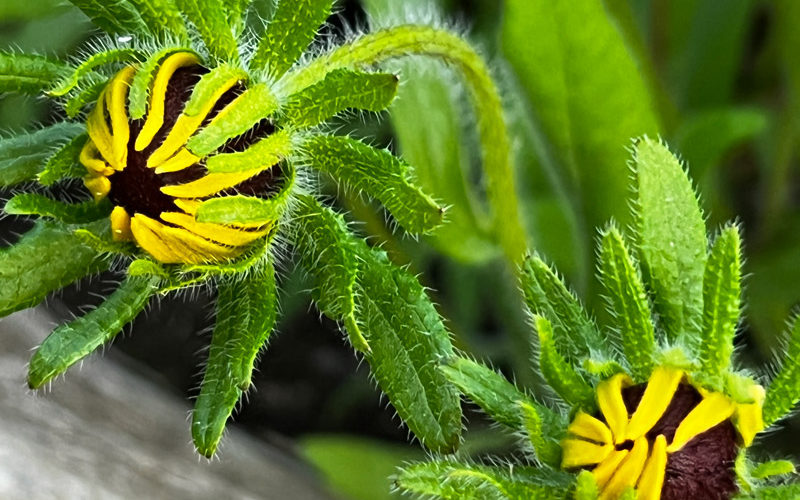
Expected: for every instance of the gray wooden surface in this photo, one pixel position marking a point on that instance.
(104, 432)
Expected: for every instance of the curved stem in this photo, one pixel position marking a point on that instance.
(410, 40)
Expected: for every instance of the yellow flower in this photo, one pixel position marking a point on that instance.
(660, 437)
(155, 183)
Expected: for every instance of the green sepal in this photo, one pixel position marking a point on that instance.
(23, 157)
(721, 304)
(575, 334)
(289, 33)
(46, 258)
(255, 104)
(75, 340)
(628, 301)
(340, 90)
(143, 80)
(28, 73)
(117, 17)
(84, 96)
(602, 368)
(379, 174)
(772, 468)
(544, 428)
(208, 16)
(672, 238)
(103, 243)
(162, 17)
(210, 84)
(147, 267)
(64, 164)
(100, 59)
(559, 374)
(68, 213)
(246, 312)
(783, 391)
(586, 486)
(782, 492)
(265, 153)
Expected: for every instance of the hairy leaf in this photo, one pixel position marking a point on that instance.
(237, 13)
(75, 340)
(784, 390)
(263, 154)
(27, 73)
(379, 174)
(246, 312)
(586, 487)
(84, 96)
(340, 90)
(782, 492)
(118, 17)
(68, 213)
(64, 164)
(99, 59)
(22, 157)
(544, 428)
(773, 468)
(211, 22)
(162, 17)
(559, 374)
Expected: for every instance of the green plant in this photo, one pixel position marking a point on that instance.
(651, 405)
(199, 149)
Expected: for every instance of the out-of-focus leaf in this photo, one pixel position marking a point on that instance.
(68, 213)
(28, 74)
(211, 21)
(162, 17)
(24, 156)
(23, 10)
(118, 17)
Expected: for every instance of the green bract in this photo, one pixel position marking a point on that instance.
(280, 86)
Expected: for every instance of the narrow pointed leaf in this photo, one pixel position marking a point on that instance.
(559, 374)
(27, 73)
(118, 17)
(379, 174)
(64, 164)
(628, 300)
(291, 30)
(263, 154)
(73, 341)
(84, 96)
(22, 157)
(162, 17)
(784, 390)
(340, 90)
(721, 296)
(68, 213)
(545, 430)
(246, 312)
(773, 468)
(672, 238)
(100, 59)
(45, 259)
(211, 22)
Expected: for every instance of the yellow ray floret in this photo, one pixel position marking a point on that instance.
(182, 159)
(603, 472)
(749, 417)
(215, 232)
(609, 398)
(172, 245)
(652, 479)
(121, 225)
(587, 427)
(578, 453)
(98, 186)
(628, 472)
(712, 410)
(209, 185)
(115, 104)
(90, 158)
(660, 388)
(100, 133)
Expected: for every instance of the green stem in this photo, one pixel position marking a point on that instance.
(412, 40)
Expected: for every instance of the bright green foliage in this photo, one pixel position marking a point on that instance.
(84, 96)
(68, 213)
(574, 333)
(672, 238)
(265, 153)
(246, 312)
(586, 487)
(626, 296)
(97, 60)
(143, 79)
(28, 74)
(237, 13)
(559, 374)
(208, 16)
(782, 492)
(73, 341)
(64, 163)
(22, 157)
(784, 390)
(289, 33)
(210, 83)
(721, 296)
(255, 104)
(773, 468)
(162, 17)
(118, 17)
(379, 174)
(543, 427)
(340, 90)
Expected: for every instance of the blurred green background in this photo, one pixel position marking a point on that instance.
(719, 81)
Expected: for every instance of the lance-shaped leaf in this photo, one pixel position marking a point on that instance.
(45, 259)
(143, 79)
(378, 173)
(322, 242)
(544, 428)
(246, 311)
(84, 96)
(559, 374)
(340, 90)
(75, 340)
(22, 157)
(628, 301)
(721, 295)
(100, 59)
(263, 154)
(672, 238)
(64, 164)
(575, 334)
(289, 33)
(209, 18)
(68, 213)
(784, 390)
(162, 17)
(255, 104)
(118, 17)
(28, 74)
(773, 468)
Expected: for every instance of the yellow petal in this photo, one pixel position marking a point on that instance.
(609, 398)
(216, 232)
(152, 242)
(99, 132)
(199, 249)
(628, 472)
(155, 113)
(121, 225)
(660, 388)
(183, 159)
(208, 185)
(176, 246)
(116, 100)
(188, 206)
(712, 410)
(603, 472)
(587, 427)
(749, 416)
(577, 453)
(98, 186)
(90, 158)
(652, 480)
